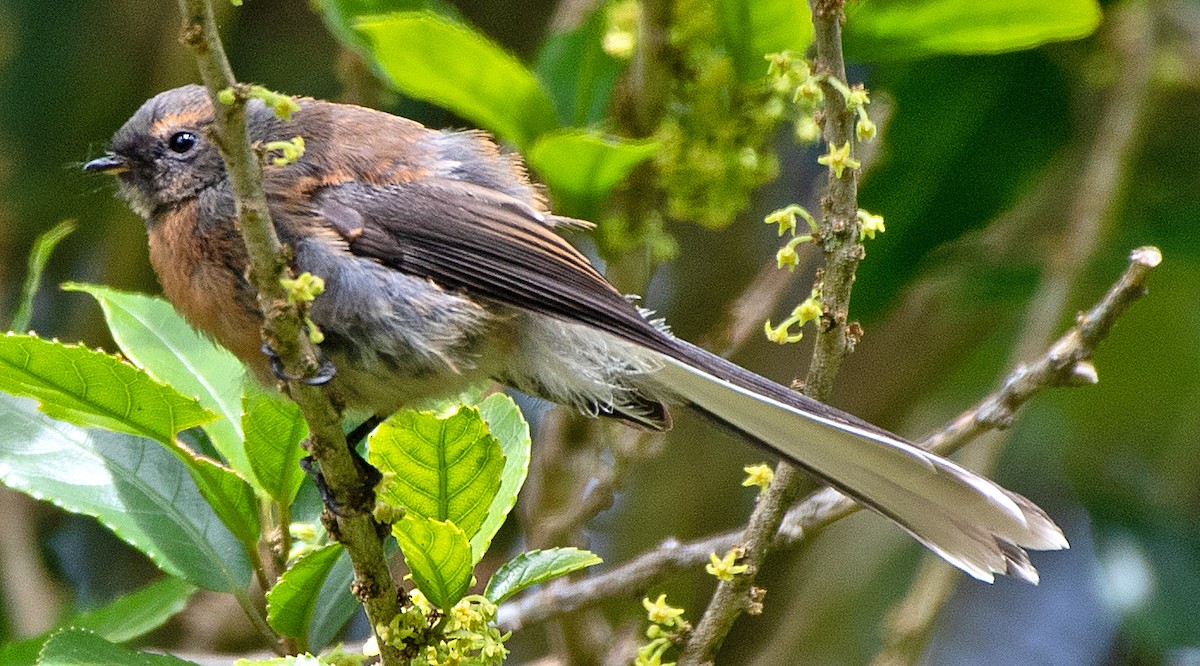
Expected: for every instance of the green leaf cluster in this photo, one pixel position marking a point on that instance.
(457, 475)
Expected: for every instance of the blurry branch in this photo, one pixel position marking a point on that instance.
(839, 229)
(1130, 38)
(1066, 363)
(282, 327)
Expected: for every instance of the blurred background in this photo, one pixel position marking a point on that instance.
(1014, 186)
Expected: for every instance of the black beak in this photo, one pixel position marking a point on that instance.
(110, 163)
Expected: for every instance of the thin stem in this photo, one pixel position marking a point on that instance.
(282, 328)
(839, 236)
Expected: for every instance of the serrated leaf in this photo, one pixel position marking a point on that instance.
(138, 489)
(439, 557)
(80, 647)
(901, 29)
(508, 426)
(335, 603)
(536, 566)
(274, 429)
(753, 28)
(152, 335)
(442, 468)
(291, 602)
(578, 73)
(583, 166)
(432, 58)
(94, 390)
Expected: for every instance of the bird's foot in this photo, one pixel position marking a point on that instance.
(325, 371)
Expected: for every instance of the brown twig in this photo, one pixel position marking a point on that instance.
(839, 239)
(282, 328)
(1065, 363)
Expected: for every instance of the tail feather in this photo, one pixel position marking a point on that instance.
(968, 520)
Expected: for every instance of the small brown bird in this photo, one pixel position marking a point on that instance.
(443, 269)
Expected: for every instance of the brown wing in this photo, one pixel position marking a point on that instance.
(470, 238)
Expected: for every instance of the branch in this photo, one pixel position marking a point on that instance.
(1065, 363)
(839, 230)
(282, 327)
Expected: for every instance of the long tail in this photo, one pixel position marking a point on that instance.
(968, 520)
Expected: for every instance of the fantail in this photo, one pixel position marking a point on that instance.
(442, 269)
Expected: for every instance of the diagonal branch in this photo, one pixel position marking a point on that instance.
(282, 328)
(1066, 363)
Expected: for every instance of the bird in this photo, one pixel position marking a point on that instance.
(444, 267)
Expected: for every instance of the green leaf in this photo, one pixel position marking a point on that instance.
(442, 468)
(335, 604)
(509, 427)
(153, 336)
(536, 566)
(274, 429)
(439, 557)
(753, 28)
(582, 167)
(437, 60)
(123, 619)
(342, 15)
(38, 258)
(577, 72)
(80, 647)
(138, 613)
(291, 602)
(903, 29)
(134, 486)
(157, 340)
(92, 389)
(229, 495)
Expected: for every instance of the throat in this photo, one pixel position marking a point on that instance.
(201, 274)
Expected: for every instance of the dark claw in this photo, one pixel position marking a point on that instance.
(324, 373)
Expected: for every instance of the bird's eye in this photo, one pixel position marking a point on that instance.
(181, 142)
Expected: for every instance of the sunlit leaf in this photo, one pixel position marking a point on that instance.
(582, 166)
(900, 29)
(753, 28)
(508, 426)
(274, 429)
(432, 58)
(92, 389)
(442, 468)
(152, 335)
(439, 557)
